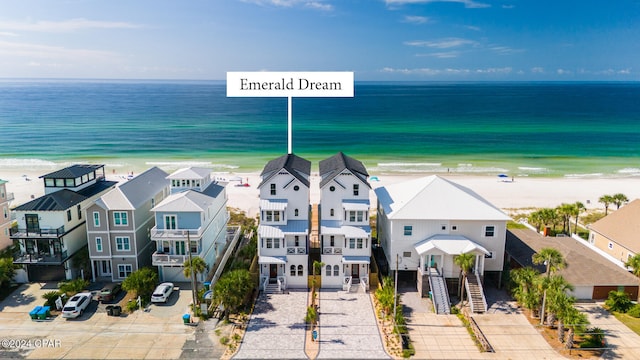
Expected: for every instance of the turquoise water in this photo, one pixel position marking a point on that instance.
(524, 129)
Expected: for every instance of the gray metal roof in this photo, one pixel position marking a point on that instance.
(333, 166)
(298, 167)
(64, 199)
(72, 171)
(292, 227)
(131, 194)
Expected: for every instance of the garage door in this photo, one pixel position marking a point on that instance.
(44, 273)
(173, 274)
(602, 292)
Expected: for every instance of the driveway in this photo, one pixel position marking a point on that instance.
(348, 327)
(155, 334)
(622, 342)
(276, 327)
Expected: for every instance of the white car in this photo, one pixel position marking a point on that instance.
(162, 293)
(76, 305)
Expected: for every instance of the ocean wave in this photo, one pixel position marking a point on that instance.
(181, 164)
(26, 163)
(533, 169)
(578, 176)
(629, 171)
(401, 164)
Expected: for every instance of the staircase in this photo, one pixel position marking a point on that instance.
(272, 289)
(475, 293)
(439, 293)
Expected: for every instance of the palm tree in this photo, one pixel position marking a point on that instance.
(606, 200)
(465, 262)
(557, 297)
(565, 211)
(619, 199)
(561, 304)
(576, 322)
(577, 209)
(526, 289)
(194, 266)
(535, 219)
(634, 263)
(554, 261)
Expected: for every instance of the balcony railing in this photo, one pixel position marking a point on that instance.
(57, 259)
(24, 232)
(175, 233)
(9, 197)
(332, 250)
(296, 250)
(163, 259)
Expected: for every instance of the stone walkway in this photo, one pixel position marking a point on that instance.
(348, 328)
(276, 328)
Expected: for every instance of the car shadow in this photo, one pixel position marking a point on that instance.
(172, 300)
(91, 309)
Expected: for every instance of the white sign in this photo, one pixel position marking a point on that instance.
(290, 84)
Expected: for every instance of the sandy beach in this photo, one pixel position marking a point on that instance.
(524, 192)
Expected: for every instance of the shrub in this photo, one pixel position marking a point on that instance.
(634, 311)
(51, 297)
(132, 306)
(312, 315)
(618, 301)
(73, 287)
(224, 340)
(594, 338)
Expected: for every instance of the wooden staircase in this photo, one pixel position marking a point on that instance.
(439, 293)
(475, 294)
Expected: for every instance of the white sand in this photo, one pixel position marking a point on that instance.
(522, 193)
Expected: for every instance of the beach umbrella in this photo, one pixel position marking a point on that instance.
(503, 175)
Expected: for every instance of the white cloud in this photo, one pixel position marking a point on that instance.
(8, 34)
(442, 55)
(315, 5)
(474, 28)
(505, 50)
(563, 72)
(447, 71)
(508, 6)
(64, 26)
(445, 43)
(537, 70)
(37, 51)
(416, 19)
(504, 70)
(467, 3)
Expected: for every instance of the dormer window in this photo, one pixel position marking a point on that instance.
(356, 189)
(273, 189)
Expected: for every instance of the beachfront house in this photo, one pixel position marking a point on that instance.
(5, 215)
(617, 233)
(193, 219)
(345, 233)
(283, 232)
(51, 231)
(423, 224)
(119, 226)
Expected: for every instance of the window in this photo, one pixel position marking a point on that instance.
(272, 215)
(352, 243)
(5, 212)
(331, 213)
(356, 216)
(122, 243)
(408, 229)
(356, 189)
(79, 212)
(336, 270)
(489, 231)
(297, 240)
(124, 270)
(194, 247)
(332, 241)
(153, 202)
(49, 183)
(68, 215)
(296, 188)
(273, 243)
(120, 218)
(300, 270)
(69, 183)
(406, 254)
(170, 222)
(96, 219)
(360, 242)
(293, 270)
(443, 227)
(295, 212)
(328, 273)
(59, 182)
(454, 228)
(269, 243)
(99, 244)
(92, 175)
(610, 245)
(332, 188)
(273, 189)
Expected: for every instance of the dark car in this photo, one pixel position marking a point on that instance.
(109, 292)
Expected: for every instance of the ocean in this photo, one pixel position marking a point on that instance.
(520, 129)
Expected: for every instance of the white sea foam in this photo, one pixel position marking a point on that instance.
(26, 163)
(533, 169)
(629, 171)
(579, 176)
(181, 164)
(400, 164)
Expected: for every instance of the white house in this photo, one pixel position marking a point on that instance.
(345, 233)
(283, 232)
(52, 228)
(5, 215)
(192, 219)
(426, 222)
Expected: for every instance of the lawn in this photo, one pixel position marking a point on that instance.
(631, 322)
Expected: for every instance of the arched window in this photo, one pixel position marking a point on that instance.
(293, 270)
(328, 270)
(295, 212)
(336, 270)
(300, 271)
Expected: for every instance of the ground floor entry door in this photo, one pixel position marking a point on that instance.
(273, 270)
(355, 270)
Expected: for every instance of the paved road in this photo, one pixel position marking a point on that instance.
(348, 327)
(622, 342)
(276, 328)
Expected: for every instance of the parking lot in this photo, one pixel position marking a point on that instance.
(154, 333)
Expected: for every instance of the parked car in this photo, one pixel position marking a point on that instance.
(76, 305)
(162, 292)
(109, 292)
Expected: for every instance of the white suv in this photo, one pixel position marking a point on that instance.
(162, 292)
(76, 305)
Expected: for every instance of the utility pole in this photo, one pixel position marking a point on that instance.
(395, 293)
(193, 278)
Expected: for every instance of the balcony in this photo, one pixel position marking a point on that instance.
(164, 234)
(296, 250)
(42, 233)
(332, 251)
(56, 259)
(163, 259)
(9, 197)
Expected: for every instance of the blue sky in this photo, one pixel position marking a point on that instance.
(427, 40)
